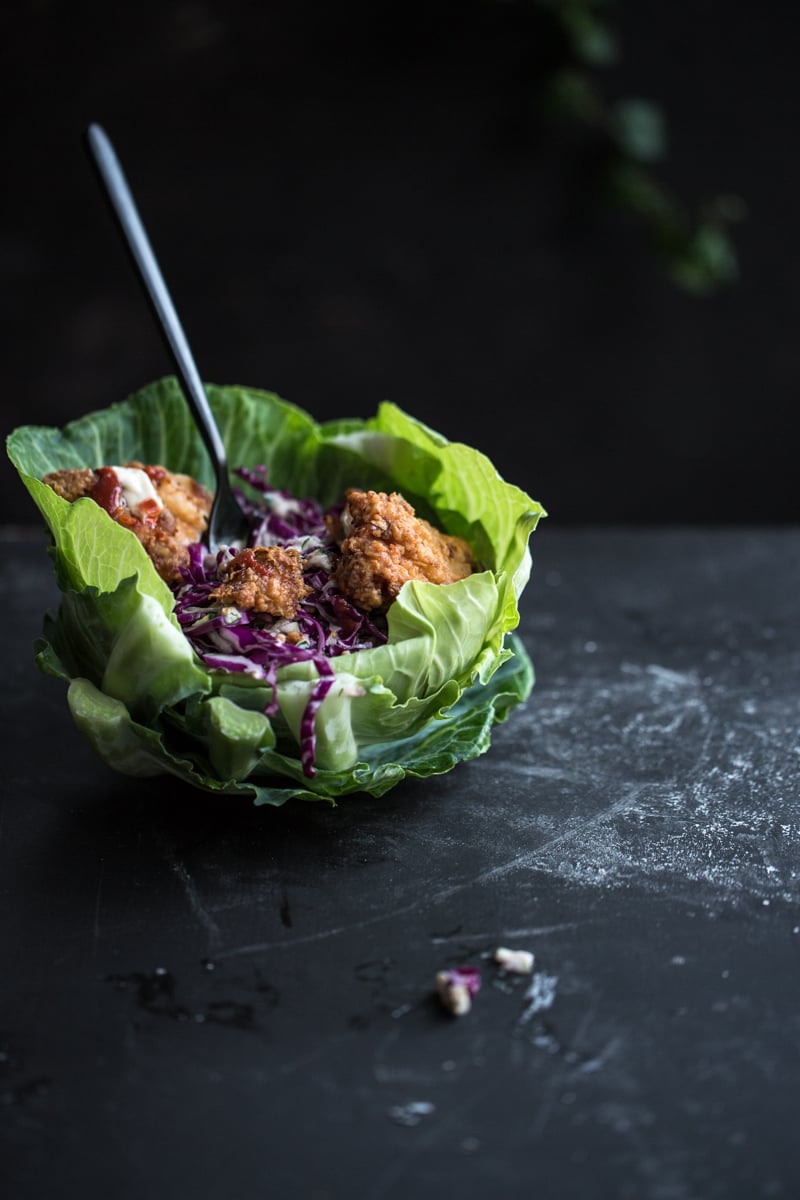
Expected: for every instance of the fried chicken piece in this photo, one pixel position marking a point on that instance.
(166, 515)
(267, 579)
(187, 500)
(384, 545)
(71, 484)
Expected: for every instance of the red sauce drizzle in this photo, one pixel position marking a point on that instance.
(149, 510)
(107, 491)
(246, 559)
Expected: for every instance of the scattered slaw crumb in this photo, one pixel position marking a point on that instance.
(518, 962)
(456, 987)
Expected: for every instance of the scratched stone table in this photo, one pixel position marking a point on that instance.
(201, 998)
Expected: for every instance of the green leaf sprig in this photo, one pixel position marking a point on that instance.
(695, 247)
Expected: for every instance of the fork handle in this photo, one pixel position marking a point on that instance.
(138, 243)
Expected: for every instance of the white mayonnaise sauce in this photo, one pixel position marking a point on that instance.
(136, 486)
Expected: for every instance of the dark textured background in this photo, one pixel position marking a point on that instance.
(354, 202)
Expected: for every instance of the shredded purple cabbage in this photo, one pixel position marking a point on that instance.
(466, 977)
(326, 624)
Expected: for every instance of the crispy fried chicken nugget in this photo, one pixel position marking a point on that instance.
(267, 579)
(70, 484)
(165, 526)
(384, 545)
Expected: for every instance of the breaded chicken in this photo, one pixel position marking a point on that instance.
(73, 483)
(166, 511)
(267, 579)
(384, 545)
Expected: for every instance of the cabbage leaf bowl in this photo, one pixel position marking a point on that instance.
(415, 706)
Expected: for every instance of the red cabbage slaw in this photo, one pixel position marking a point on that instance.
(326, 625)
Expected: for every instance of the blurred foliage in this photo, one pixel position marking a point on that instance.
(630, 136)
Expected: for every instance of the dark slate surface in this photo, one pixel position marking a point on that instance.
(201, 998)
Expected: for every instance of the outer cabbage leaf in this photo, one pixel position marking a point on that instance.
(115, 622)
(134, 749)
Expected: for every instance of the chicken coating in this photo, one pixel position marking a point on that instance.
(166, 515)
(187, 500)
(73, 483)
(267, 579)
(384, 545)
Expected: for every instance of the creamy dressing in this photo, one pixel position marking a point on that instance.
(282, 506)
(136, 486)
